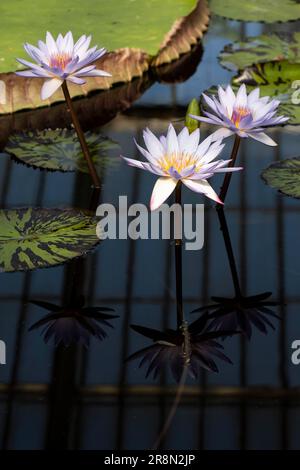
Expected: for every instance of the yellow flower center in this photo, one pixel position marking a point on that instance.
(60, 60)
(178, 161)
(238, 114)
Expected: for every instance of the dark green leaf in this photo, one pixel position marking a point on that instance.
(59, 149)
(284, 176)
(266, 11)
(265, 48)
(37, 238)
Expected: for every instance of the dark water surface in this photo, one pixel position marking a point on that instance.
(91, 398)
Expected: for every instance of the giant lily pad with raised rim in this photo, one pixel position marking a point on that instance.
(172, 26)
(59, 150)
(264, 48)
(265, 11)
(275, 79)
(284, 176)
(33, 238)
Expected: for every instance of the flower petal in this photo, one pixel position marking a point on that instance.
(35, 53)
(183, 138)
(68, 43)
(142, 165)
(226, 102)
(172, 142)
(192, 142)
(27, 73)
(93, 73)
(241, 97)
(214, 150)
(51, 44)
(39, 70)
(76, 80)
(50, 87)
(204, 146)
(221, 134)
(202, 186)
(262, 137)
(153, 144)
(253, 96)
(146, 154)
(163, 187)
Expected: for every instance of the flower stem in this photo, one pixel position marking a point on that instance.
(229, 250)
(178, 264)
(227, 178)
(80, 134)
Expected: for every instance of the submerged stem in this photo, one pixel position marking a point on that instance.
(227, 178)
(178, 264)
(80, 134)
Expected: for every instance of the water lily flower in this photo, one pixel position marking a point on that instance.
(242, 114)
(182, 158)
(59, 60)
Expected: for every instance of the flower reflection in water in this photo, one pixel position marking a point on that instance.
(73, 323)
(192, 346)
(239, 312)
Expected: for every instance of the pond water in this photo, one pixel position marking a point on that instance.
(91, 398)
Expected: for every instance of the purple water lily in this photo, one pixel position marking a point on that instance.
(241, 114)
(183, 158)
(59, 60)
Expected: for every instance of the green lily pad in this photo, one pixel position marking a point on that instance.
(33, 238)
(275, 79)
(284, 176)
(265, 48)
(59, 149)
(266, 11)
(172, 28)
(113, 24)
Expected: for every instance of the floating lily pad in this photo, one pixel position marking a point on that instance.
(284, 176)
(172, 27)
(266, 11)
(275, 79)
(265, 48)
(59, 149)
(33, 238)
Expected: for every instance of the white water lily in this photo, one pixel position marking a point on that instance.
(59, 60)
(242, 114)
(182, 158)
